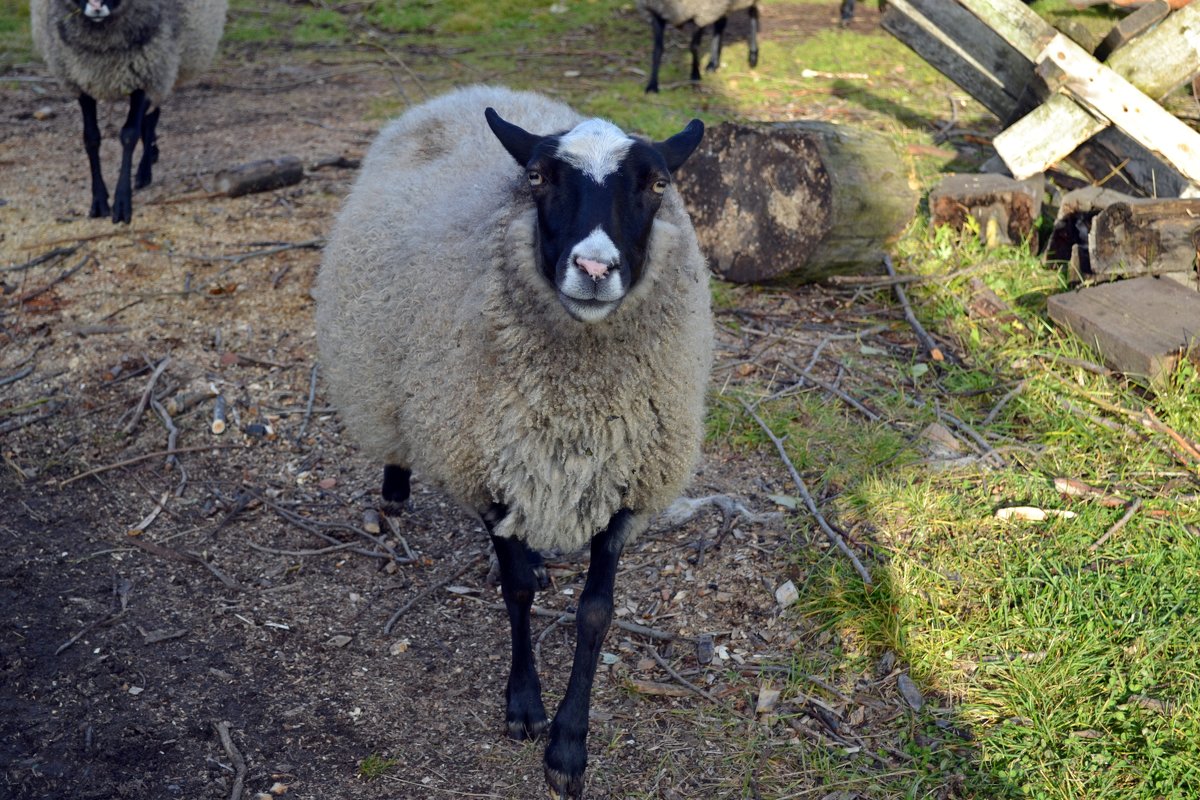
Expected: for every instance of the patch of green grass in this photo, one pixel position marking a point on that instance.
(375, 766)
(16, 45)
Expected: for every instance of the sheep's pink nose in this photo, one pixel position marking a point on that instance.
(595, 269)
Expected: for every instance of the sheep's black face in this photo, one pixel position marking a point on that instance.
(596, 191)
(98, 10)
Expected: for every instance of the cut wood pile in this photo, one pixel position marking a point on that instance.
(1092, 104)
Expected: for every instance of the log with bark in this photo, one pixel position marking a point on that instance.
(260, 176)
(795, 201)
(1006, 209)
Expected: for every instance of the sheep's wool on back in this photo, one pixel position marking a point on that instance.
(700, 12)
(448, 352)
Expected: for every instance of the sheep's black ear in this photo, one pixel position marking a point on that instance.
(677, 149)
(517, 141)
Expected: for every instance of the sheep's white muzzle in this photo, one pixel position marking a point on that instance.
(96, 10)
(591, 285)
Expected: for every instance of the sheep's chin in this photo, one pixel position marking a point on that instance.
(589, 311)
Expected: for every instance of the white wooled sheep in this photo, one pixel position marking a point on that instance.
(513, 304)
(700, 13)
(112, 49)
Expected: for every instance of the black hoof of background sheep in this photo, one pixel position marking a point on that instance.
(522, 729)
(563, 786)
(99, 208)
(122, 210)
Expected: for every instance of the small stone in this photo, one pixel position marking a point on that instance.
(786, 594)
(370, 521)
(768, 698)
(705, 649)
(341, 640)
(279, 788)
(399, 647)
(910, 692)
(44, 113)
(136, 690)
(327, 483)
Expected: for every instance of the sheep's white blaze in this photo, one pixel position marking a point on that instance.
(595, 148)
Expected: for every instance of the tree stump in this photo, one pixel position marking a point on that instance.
(795, 201)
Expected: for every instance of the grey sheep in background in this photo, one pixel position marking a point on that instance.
(111, 49)
(513, 304)
(700, 13)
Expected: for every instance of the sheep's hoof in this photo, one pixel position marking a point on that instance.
(122, 210)
(564, 766)
(99, 208)
(142, 179)
(712, 66)
(753, 60)
(527, 727)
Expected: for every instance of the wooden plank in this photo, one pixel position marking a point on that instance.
(1134, 25)
(1015, 23)
(1110, 96)
(1138, 326)
(1156, 63)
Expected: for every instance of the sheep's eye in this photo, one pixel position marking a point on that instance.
(535, 178)
(659, 186)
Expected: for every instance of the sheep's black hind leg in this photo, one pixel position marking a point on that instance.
(91, 145)
(122, 209)
(566, 755)
(149, 149)
(754, 36)
(658, 24)
(396, 488)
(695, 50)
(714, 58)
(525, 716)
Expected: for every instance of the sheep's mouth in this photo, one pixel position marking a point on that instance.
(96, 12)
(589, 310)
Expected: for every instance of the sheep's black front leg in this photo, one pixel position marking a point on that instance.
(658, 24)
(91, 145)
(566, 755)
(847, 12)
(525, 716)
(396, 487)
(695, 50)
(714, 58)
(122, 210)
(149, 149)
(754, 35)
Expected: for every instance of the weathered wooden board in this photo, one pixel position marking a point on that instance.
(796, 201)
(1140, 327)
(1006, 209)
(1134, 25)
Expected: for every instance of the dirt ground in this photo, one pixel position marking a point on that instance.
(149, 602)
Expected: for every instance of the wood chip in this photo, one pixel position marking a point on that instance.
(660, 689)
(909, 691)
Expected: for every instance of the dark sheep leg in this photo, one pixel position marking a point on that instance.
(149, 149)
(714, 58)
(754, 35)
(91, 145)
(396, 485)
(695, 50)
(525, 716)
(847, 12)
(657, 23)
(122, 209)
(566, 755)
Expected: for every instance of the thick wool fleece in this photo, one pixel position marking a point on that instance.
(145, 44)
(700, 12)
(448, 352)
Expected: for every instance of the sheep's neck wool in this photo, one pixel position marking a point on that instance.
(595, 148)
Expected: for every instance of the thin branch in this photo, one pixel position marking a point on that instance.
(62, 276)
(662, 662)
(1116, 526)
(834, 536)
(239, 763)
(308, 407)
(923, 336)
(387, 629)
(145, 457)
(147, 393)
(18, 375)
(42, 259)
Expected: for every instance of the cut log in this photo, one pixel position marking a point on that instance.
(1144, 237)
(796, 201)
(260, 176)
(1140, 327)
(1006, 209)
(1073, 221)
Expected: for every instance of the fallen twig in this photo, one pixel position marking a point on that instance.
(308, 407)
(387, 629)
(1003, 401)
(62, 276)
(18, 375)
(237, 258)
(923, 336)
(147, 394)
(16, 424)
(833, 535)
(138, 459)
(1130, 510)
(239, 763)
(662, 662)
(42, 259)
